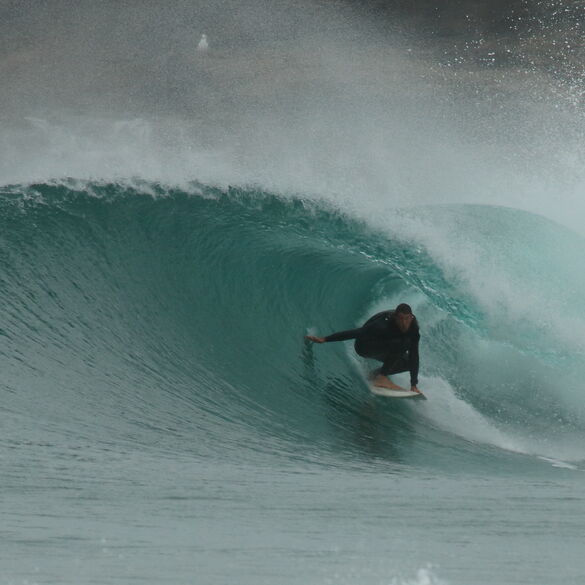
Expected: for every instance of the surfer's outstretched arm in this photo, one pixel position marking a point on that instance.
(315, 339)
(340, 336)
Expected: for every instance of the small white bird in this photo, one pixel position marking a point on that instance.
(203, 44)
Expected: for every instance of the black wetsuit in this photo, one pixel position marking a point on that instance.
(381, 339)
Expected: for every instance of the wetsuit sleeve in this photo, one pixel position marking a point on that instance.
(413, 359)
(343, 335)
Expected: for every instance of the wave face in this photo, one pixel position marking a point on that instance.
(174, 319)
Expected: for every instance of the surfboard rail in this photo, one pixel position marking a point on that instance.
(391, 393)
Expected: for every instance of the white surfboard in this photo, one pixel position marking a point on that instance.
(389, 393)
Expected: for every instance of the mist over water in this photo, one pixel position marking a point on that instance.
(308, 98)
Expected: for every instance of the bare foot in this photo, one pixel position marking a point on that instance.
(384, 382)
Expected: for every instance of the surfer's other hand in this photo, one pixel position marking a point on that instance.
(315, 339)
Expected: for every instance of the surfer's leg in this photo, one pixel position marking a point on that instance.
(385, 382)
(392, 364)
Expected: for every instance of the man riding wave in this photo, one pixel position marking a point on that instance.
(391, 337)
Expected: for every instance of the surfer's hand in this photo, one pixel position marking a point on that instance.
(315, 339)
(415, 389)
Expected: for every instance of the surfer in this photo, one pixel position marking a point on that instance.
(390, 337)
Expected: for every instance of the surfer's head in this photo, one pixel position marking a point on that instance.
(404, 317)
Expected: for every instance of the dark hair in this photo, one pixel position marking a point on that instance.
(404, 309)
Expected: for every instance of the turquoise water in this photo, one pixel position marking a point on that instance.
(164, 422)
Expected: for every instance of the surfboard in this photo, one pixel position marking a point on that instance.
(389, 393)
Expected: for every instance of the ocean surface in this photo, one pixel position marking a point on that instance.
(173, 223)
(163, 420)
